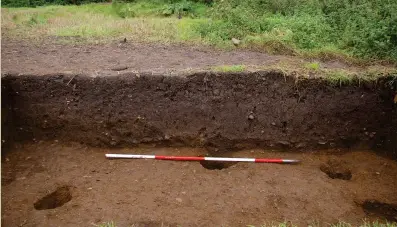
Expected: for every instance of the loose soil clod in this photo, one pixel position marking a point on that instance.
(380, 210)
(336, 170)
(56, 199)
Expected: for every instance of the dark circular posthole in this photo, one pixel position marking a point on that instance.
(336, 170)
(56, 199)
(380, 210)
(211, 165)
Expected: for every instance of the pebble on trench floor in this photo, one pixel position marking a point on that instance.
(178, 199)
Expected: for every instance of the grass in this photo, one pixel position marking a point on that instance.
(98, 23)
(334, 76)
(301, 34)
(230, 68)
(105, 224)
(339, 78)
(200, 25)
(313, 66)
(93, 23)
(159, 8)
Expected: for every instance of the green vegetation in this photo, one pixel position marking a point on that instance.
(34, 3)
(105, 224)
(363, 29)
(313, 66)
(91, 23)
(339, 78)
(159, 8)
(344, 77)
(230, 68)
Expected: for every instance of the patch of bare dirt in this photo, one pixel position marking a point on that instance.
(152, 193)
(21, 56)
(54, 58)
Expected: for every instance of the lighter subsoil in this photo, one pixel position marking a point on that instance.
(169, 193)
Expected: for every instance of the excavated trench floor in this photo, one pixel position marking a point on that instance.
(55, 184)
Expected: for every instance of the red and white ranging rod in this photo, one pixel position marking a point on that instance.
(186, 158)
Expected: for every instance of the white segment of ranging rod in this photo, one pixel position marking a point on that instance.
(229, 159)
(138, 156)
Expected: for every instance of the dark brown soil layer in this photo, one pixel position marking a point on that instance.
(170, 193)
(233, 110)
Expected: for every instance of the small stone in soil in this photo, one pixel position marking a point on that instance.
(119, 68)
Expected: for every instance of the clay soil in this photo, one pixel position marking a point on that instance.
(170, 193)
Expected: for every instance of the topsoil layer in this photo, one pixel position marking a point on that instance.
(229, 110)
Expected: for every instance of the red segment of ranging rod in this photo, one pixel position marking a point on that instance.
(187, 158)
(178, 158)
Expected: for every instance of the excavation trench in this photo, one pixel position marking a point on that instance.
(49, 179)
(223, 111)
